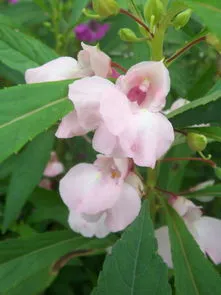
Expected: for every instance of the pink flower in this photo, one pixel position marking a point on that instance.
(147, 137)
(148, 134)
(123, 128)
(205, 230)
(91, 61)
(146, 83)
(99, 198)
(54, 166)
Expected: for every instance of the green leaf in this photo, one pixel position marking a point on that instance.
(213, 191)
(22, 260)
(194, 274)
(27, 110)
(202, 110)
(211, 132)
(77, 11)
(47, 206)
(7, 166)
(25, 14)
(21, 52)
(27, 173)
(171, 173)
(210, 13)
(134, 267)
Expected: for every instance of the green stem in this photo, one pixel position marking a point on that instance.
(156, 45)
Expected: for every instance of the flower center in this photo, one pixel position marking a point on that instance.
(115, 174)
(139, 92)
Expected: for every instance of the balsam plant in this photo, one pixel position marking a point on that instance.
(110, 151)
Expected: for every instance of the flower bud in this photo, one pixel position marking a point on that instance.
(153, 9)
(214, 41)
(217, 171)
(90, 14)
(182, 19)
(128, 35)
(105, 8)
(197, 142)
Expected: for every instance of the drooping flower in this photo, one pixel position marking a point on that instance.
(205, 230)
(99, 198)
(91, 61)
(91, 31)
(54, 166)
(148, 135)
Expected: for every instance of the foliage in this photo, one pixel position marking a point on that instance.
(39, 254)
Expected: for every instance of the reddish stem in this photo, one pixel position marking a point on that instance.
(116, 65)
(209, 162)
(185, 48)
(123, 11)
(166, 192)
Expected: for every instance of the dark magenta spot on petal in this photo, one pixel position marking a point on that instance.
(136, 94)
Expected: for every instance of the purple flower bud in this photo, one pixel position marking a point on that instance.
(91, 31)
(13, 1)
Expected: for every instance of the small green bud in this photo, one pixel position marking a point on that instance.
(214, 41)
(218, 172)
(128, 35)
(90, 14)
(182, 19)
(106, 8)
(47, 24)
(153, 9)
(197, 142)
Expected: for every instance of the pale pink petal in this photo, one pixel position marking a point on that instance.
(150, 137)
(93, 61)
(53, 169)
(61, 68)
(106, 143)
(86, 94)
(87, 190)
(97, 100)
(149, 81)
(70, 127)
(115, 110)
(118, 167)
(103, 141)
(202, 186)
(125, 210)
(163, 242)
(209, 237)
(88, 229)
(182, 205)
